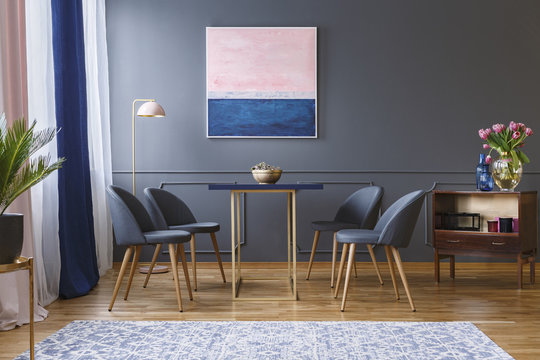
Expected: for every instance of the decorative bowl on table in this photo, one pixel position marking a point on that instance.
(266, 174)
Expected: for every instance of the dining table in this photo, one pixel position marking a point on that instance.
(290, 189)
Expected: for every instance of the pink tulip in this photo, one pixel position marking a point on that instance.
(488, 131)
(516, 135)
(486, 146)
(498, 128)
(521, 145)
(483, 135)
(528, 131)
(521, 126)
(503, 126)
(488, 159)
(513, 126)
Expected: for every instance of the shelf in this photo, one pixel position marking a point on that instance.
(483, 193)
(520, 245)
(480, 233)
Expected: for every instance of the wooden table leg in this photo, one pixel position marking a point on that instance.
(238, 235)
(289, 234)
(233, 248)
(31, 290)
(295, 291)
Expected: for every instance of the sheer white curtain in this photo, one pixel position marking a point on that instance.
(41, 106)
(99, 145)
(13, 100)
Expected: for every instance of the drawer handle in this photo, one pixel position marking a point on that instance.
(453, 241)
(497, 243)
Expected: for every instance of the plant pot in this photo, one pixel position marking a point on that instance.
(266, 176)
(505, 175)
(11, 237)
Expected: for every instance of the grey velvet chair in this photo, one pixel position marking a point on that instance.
(359, 211)
(134, 228)
(393, 230)
(170, 212)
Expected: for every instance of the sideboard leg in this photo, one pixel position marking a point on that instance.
(452, 266)
(520, 271)
(532, 266)
(436, 264)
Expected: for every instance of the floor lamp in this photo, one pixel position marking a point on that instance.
(149, 109)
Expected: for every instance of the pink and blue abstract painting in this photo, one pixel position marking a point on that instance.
(261, 82)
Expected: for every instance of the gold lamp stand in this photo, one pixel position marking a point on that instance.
(150, 108)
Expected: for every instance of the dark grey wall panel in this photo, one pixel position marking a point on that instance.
(403, 85)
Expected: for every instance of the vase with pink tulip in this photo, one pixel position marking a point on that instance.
(507, 142)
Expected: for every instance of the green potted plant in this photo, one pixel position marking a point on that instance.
(19, 173)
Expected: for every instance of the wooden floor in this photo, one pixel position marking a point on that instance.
(485, 294)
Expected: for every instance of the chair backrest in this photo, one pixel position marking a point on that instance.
(362, 207)
(129, 217)
(397, 223)
(166, 209)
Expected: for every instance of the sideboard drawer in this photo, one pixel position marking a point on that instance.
(483, 242)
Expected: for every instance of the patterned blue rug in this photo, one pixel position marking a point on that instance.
(267, 340)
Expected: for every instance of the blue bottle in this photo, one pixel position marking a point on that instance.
(479, 170)
(486, 180)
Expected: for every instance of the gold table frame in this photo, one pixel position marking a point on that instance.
(23, 263)
(291, 246)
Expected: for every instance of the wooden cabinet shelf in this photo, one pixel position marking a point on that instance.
(521, 245)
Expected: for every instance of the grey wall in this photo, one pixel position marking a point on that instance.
(403, 87)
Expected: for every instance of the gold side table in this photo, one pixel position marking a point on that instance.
(23, 263)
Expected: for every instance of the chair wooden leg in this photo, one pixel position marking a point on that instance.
(354, 264)
(313, 249)
(334, 256)
(174, 263)
(218, 257)
(341, 266)
(154, 259)
(374, 260)
(127, 256)
(392, 272)
(193, 261)
(182, 254)
(134, 264)
(403, 277)
(352, 252)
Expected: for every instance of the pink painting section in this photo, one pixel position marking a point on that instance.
(261, 59)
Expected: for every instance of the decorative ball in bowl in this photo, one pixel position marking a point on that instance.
(266, 174)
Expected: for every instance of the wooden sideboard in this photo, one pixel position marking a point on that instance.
(520, 245)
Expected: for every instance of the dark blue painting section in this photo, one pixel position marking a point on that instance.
(261, 117)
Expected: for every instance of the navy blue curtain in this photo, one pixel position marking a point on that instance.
(79, 271)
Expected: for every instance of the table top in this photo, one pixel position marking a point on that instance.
(263, 187)
(483, 193)
(20, 263)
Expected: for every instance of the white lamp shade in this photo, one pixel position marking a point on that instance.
(151, 109)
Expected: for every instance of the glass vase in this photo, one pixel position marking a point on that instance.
(506, 176)
(485, 182)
